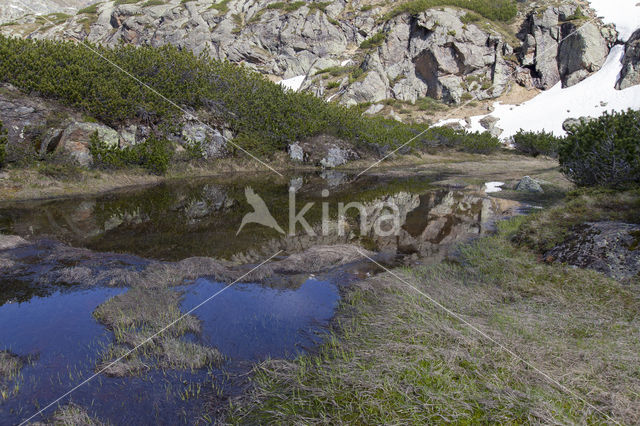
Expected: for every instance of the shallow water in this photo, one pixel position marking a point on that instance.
(198, 217)
(52, 327)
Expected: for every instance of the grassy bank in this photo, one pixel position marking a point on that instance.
(50, 181)
(396, 358)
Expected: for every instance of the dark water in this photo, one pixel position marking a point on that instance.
(54, 331)
(198, 217)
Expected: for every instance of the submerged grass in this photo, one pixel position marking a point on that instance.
(139, 315)
(10, 366)
(398, 359)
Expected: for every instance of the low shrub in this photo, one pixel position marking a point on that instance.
(374, 41)
(496, 10)
(479, 143)
(154, 154)
(537, 143)
(604, 152)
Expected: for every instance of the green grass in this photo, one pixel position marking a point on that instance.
(374, 41)
(495, 10)
(150, 3)
(396, 358)
(548, 228)
(286, 6)
(222, 6)
(90, 10)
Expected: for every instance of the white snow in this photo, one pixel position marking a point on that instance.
(293, 83)
(589, 98)
(624, 13)
(345, 63)
(491, 187)
(547, 111)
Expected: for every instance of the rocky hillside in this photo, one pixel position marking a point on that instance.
(15, 10)
(359, 51)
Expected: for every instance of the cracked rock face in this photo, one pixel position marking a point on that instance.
(630, 74)
(555, 49)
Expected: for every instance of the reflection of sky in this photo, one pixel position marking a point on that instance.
(253, 322)
(59, 333)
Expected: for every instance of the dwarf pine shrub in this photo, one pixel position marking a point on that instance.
(604, 152)
(537, 143)
(154, 154)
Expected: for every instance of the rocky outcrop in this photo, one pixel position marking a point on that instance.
(554, 50)
(211, 141)
(582, 52)
(16, 9)
(76, 139)
(38, 127)
(630, 74)
(440, 53)
(612, 248)
(432, 54)
(323, 150)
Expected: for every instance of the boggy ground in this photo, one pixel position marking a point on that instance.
(147, 316)
(398, 357)
(36, 183)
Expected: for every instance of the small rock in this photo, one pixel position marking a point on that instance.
(527, 184)
(296, 153)
(374, 109)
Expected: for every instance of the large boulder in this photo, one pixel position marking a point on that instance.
(540, 47)
(612, 248)
(555, 50)
(582, 52)
(630, 74)
(76, 139)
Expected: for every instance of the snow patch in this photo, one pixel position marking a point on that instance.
(589, 98)
(491, 187)
(345, 63)
(624, 13)
(293, 83)
(547, 111)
